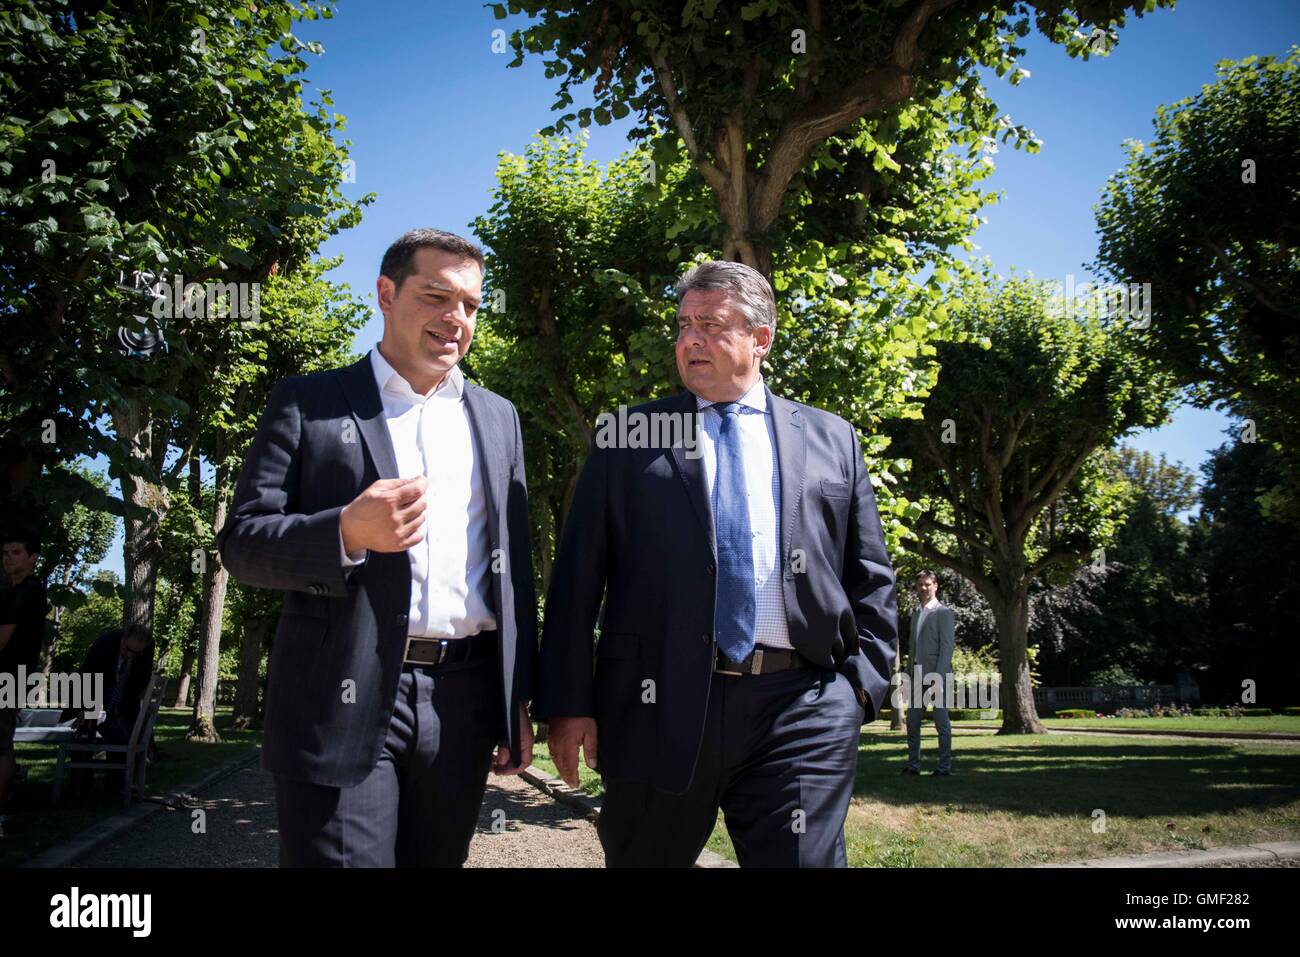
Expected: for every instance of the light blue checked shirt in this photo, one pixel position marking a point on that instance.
(763, 487)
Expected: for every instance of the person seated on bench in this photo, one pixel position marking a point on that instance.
(124, 657)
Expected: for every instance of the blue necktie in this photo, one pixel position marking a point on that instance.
(733, 615)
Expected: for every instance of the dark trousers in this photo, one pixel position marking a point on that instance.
(420, 804)
(779, 757)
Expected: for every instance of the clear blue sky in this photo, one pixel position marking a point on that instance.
(430, 106)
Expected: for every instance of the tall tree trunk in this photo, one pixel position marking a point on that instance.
(183, 686)
(246, 713)
(1019, 715)
(143, 546)
(547, 534)
(203, 727)
(47, 651)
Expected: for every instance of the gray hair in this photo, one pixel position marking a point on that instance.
(748, 288)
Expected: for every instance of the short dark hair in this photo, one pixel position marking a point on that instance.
(28, 539)
(926, 573)
(397, 266)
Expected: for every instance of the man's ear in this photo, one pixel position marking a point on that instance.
(763, 336)
(385, 293)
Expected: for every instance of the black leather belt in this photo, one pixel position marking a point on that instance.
(429, 652)
(761, 661)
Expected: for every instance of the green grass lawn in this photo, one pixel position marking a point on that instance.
(35, 823)
(1029, 799)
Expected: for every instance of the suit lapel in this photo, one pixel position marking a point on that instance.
(791, 454)
(490, 454)
(691, 471)
(368, 409)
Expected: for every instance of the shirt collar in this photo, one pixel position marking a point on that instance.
(390, 380)
(755, 398)
(932, 603)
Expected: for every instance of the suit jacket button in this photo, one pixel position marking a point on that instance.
(707, 637)
(712, 569)
(402, 619)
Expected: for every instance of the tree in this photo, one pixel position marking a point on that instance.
(1209, 214)
(70, 550)
(1007, 453)
(753, 91)
(100, 612)
(1140, 610)
(580, 260)
(1251, 569)
(142, 138)
(307, 324)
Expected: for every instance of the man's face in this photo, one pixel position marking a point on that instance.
(17, 560)
(429, 322)
(926, 589)
(718, 355)
(132, 649)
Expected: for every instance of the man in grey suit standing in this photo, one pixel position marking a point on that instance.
(933, 638)
(387, 500)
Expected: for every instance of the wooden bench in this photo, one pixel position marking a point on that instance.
(135, 749)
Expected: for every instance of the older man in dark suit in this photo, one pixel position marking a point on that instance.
(749, 607)
(387, 499)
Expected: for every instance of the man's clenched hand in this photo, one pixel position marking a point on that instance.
(386, 517)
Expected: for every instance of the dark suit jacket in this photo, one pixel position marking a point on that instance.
(321, 442)
(102, 659)
(639, 536)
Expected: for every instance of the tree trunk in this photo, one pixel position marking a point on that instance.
(183, 688)
(247, 714)
(143, 546)
(203, 727)
(1019, 715)
(548, 537)
(47, 652)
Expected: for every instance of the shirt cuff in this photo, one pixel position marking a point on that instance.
(348, 560)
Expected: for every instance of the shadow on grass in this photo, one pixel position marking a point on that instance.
(1026, 774)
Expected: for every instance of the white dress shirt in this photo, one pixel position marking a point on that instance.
(763, 489)
(451, 565)
(928, 607)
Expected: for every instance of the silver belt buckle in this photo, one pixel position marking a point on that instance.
(757, 667)
(406, 654)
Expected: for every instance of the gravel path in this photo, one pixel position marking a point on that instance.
(531, 830)
(518, 827)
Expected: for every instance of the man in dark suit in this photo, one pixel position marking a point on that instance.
(749, 607)
(123, 660)
(387, 499)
